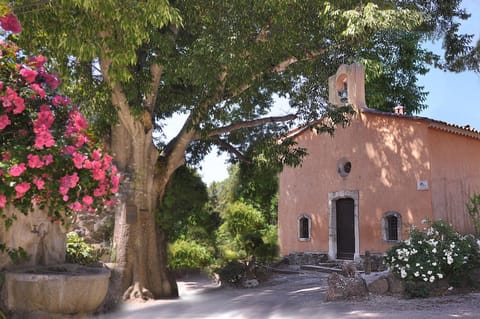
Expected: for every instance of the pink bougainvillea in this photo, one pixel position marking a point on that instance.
(10, 23)
(49, 156)
(4, 121)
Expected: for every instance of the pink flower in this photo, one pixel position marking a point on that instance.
(48, 159)
(99, 191)
(81, 140)
(69, 181)
(88, 164)
(52, 80)
(21, 189)
(10, 23)
(78, 159)
(37, 61)
(19, 105)
(40, 183)
(34, 161)
(58, 100)
(98, 174)
(28, 75)
(76, 206)
(45, 116)
(63, 190)
(87, 200)
(17, 169)
(65, 198)
(11, 98)
(76, 124)
(107, 160)
(97, 155)
(109, 202)
(6, 156)
(43, 139)
(3, 201)
(4, 121)
(115, 180)
(38, 89)
(70, 149)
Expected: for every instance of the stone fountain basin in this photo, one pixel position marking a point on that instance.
(65, 289)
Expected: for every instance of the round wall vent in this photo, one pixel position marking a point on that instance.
(344, 166)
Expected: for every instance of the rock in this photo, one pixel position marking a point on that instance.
(349, 270)
(439, 287)
(378, 287)
(396, 286)
(294, 267)
(474, 277)
(377, 283)
(250, 283)
(341, 287)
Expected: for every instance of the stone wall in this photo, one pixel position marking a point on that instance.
(306, 258)
(314, 258)
(43, 241)
(97, 230)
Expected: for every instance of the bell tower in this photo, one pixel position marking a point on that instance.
(347, 86)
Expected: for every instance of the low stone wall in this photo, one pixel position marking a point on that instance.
(359, 286)
(306, 258)
(377, 263)
(316, 258)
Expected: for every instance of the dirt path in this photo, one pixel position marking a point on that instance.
(293, 296)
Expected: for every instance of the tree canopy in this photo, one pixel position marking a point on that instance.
(222, 61)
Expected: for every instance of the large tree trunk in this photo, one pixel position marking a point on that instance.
(139, 246)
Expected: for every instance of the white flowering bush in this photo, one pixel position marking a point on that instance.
(435, 253)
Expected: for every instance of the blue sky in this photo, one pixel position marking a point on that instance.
(453, 97)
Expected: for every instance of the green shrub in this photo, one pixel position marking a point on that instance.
(435, 253)
(245, 233)
(186, 255)
(78, 251)
(232, 273)
(241, 218)
(417, 289)
(473, 209)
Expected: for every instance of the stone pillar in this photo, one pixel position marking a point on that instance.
(367, 263)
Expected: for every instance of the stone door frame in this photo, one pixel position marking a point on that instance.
(332, 222)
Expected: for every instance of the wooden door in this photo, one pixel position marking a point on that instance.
(345, 228)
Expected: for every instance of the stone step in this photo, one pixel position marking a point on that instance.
(321, 268)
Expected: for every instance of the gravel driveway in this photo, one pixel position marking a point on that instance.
(293, 296)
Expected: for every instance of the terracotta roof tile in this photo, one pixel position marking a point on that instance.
(466, 130)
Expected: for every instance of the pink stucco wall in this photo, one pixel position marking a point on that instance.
(389, 156)
(455, 176)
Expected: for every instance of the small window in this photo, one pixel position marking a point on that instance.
(304, 224)
(392, 223)
(392, 228)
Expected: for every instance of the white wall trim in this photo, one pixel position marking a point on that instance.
(332, 222)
